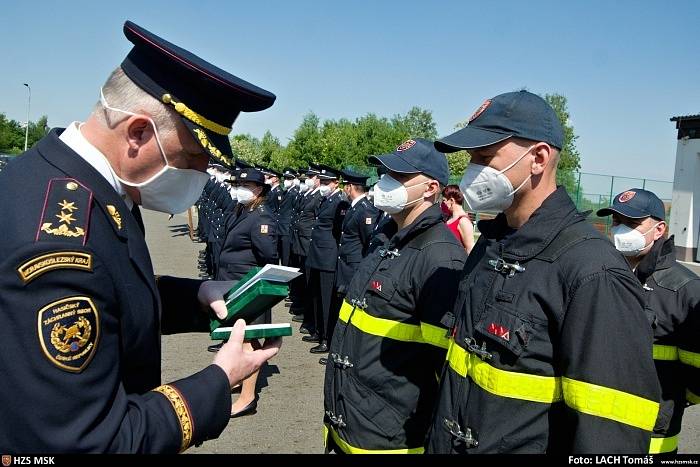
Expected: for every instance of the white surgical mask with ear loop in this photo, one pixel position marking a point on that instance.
(288, 183)
(245, 195)
(629, 241)
(303, 188)
(391, 196)
(487, 189)
(325, 190)
(171, 190)
(297, 182)
(309, 183)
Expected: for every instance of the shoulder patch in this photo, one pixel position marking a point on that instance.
(69, 330)
(66, 212)
(263, 228)
(35, 267)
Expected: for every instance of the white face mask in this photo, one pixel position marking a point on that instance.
(297, 182)
(487, 189)
(288, 183)
(303, 188)
(309, 183)
(325, 190)
(244, 195)
(391, 196)
(171, 190)
(629, 241)
(233, 191)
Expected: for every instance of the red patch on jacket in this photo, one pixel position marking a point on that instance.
(376, 285)
(500, 331)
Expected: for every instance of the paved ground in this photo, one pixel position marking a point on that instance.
(291, 400)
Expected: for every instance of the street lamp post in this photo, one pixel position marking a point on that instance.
(29, 103)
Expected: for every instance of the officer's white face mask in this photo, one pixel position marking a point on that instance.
(325, 190)
(629, 241)
(297, 182)
(487, 189)
(303, 188)
(309, 183)
(245, 195)
(170, 190)
(233, 191)
(391, 196)
(288, 183)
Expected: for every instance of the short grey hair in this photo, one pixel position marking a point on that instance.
(122, 93)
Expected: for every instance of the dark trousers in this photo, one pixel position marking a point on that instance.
(284, 246)
(297, 288)
(322, 292)
(336, 303)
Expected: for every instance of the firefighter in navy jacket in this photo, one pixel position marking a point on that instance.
(551, 348)
(389, 343)
(81, 364)
(672, 295)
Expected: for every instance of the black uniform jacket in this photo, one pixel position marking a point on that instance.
(274, 200)
(551, 350)
(673, 304)
(301, 229)
(358, 225)
(325, 233)
(384, 229)
(251, 240)
(82, 315)
(389, 343)
(284, 214)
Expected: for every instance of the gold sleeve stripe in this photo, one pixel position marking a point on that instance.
(181, 411)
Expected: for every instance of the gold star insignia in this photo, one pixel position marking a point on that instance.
(65, 217)
(65, 205)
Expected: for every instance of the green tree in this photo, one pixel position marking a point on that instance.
(569, 157)
(417, 123)
(12, 134)
(306, 145)
(247, 148)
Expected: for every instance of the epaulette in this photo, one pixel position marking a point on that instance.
(66, 212)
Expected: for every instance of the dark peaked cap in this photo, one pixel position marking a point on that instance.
(207, 98)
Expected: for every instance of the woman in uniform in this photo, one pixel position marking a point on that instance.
(251, 240)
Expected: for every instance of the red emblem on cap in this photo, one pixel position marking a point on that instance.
(406, 145)
(500, 331)
(626, 196)
(480, 110)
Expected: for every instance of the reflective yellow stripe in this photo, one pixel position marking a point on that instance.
(425, 333)
(665, 352)
(196, 118)
(610, 403)
(348, 449)
(325, 435)
(546, 389)
(691, 397)
(689, 358)
(434, 335)
(660, 445)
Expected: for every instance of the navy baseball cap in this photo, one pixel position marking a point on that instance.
(208, 99)
(414, 156)
(520, 114)
(636, 204)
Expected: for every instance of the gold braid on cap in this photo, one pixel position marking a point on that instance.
(194, 117)
(182, 413)
(206, 144)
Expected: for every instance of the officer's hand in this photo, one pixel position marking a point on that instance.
(239, 363)
(211, 295)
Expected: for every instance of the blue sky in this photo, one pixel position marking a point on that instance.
(626, 67)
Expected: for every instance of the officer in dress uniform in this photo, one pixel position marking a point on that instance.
(355, 236)
(284, 214)
(323, 254)
(301, 238)
(274, 197)
(82, 363)
(295, 301)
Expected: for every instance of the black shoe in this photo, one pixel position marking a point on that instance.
(298, 318)
(249, 409)
(304, 330)
(287, 304)
(323, 360)
(215, 347)
(311, 338)
(320, 348)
